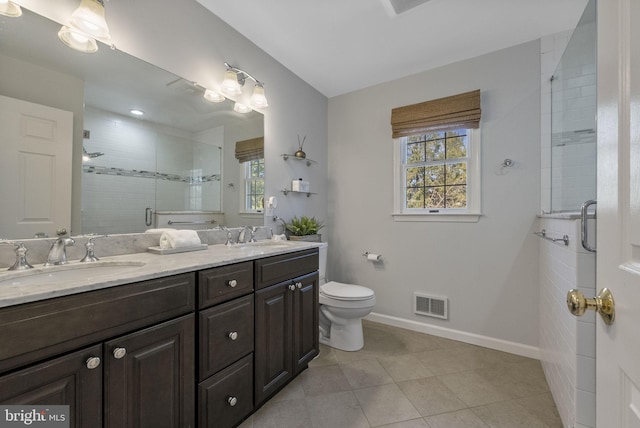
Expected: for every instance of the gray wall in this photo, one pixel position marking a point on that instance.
(489, 269)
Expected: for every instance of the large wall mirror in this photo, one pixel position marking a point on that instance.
(173, 166)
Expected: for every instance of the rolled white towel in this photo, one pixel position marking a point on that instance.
(179, 239)
(158, 230)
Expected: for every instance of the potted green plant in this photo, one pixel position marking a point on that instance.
(304, 229)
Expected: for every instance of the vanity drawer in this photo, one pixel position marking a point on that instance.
(226, 334)
(272, 270)
(226, 398)
(38, 330)
(224, 283)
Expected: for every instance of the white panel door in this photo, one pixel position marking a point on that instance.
(618, 235)
(36, 144)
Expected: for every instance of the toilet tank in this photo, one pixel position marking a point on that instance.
(322, 262)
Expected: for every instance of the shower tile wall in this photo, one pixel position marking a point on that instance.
(116, 204)
(567, 343)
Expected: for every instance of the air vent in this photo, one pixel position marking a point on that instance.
(431, 306)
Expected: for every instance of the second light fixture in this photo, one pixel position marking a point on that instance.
(234, 80)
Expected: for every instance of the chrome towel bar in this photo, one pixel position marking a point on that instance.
(543, 234)
(192, 222)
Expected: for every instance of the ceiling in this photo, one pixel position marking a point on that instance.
(339, 46)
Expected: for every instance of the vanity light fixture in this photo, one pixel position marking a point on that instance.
(86, 25)
(234, 79)
(213, 96)
(10, 9)
(241, 108)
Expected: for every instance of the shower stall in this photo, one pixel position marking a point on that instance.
(567, 344)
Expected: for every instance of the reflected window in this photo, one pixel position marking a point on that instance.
(254, 185)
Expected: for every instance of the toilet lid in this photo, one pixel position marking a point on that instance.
(341, 291)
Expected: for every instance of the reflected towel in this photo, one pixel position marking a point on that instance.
(179, 239)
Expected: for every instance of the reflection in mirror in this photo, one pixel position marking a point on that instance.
(175, 163)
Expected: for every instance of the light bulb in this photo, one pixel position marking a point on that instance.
(230, 85)
(77, 40)
(258, 99)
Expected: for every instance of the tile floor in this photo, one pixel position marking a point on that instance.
(404, 379)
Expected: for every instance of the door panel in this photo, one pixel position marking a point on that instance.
(305, 309)
(35, 168)
(618, 234)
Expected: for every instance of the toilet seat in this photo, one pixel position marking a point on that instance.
(339, 291)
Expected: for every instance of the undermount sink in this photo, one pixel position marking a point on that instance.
(69, 272)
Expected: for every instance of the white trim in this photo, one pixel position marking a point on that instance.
(474, 180)
(452, 218)
(462, 336)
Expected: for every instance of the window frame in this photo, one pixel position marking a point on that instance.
(470, 214)
(245, 177)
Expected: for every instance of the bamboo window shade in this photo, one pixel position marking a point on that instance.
(443, 114)
(248, 150)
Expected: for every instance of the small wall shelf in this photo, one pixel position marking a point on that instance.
(287, 191)
(308, 161)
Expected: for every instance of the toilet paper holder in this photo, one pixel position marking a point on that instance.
(372, 256)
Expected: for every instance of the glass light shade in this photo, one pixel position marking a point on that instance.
(89, 18)
(213, 96)
(230, 85)
(241, 108)
(77, 40)
(258, 99)
(10, 9)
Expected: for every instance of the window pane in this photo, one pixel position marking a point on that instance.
(456, 147)
(415, 176)
(434, 197)
(456, 197)
(434, 136)
(415, 152)
(435, 175)
(435, 150)
(456, 173)
(415, 197)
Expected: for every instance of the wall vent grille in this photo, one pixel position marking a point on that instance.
(431, 306)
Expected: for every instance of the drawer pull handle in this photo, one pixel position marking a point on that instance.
(299, 285)
(232, 283)
(292, 287)
(232, 401)
(119, 353)
(93, 362)
(233, 335)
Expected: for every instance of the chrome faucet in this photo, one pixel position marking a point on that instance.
(58, 251)
(229, 237)
(21, 256)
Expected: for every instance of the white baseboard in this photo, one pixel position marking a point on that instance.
(462, 336)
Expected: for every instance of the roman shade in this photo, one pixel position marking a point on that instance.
(443, 114)
(248, 150)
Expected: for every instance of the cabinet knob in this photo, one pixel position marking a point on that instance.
(299, 285)
(93, 362)
(232, 283)
(232, 401)
(233, 335)
(119, 353)
(292, 287)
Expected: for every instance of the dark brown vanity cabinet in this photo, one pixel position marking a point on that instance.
(119, 357)
(226, 339)
(286, 320)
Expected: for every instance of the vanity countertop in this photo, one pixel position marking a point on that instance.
(134, 267)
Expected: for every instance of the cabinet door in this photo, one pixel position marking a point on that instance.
(67, 380)
(306, 344)
(149, 377)
(273, 332)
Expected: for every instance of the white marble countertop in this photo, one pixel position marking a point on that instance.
(43, 283)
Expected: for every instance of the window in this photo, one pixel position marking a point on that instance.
(254, 185)
(438, 176)
(437, 159)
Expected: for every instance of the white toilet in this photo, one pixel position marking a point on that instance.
(342, 307)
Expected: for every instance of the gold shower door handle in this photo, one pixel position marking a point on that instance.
(603, 304)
